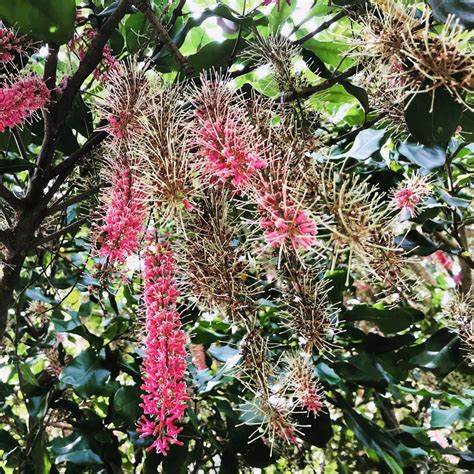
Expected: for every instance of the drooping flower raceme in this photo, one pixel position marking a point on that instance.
(80, 43)
(411, 193)
(229, 147)
(124, 215)
(20, 100)
(10, 44)
(165, 398)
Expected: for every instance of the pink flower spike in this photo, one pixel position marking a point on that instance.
(229, 148)
(164, 367)
(125, 212)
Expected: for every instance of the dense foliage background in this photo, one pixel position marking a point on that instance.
(397, 384)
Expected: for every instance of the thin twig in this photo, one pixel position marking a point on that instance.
(19, 144)
(321, 27)
(59, 206)
(308, 91)
(68, 164)
(59, 233)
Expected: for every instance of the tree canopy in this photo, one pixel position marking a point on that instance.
(236, 236)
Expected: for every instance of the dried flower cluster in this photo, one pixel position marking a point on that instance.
(404, 55)
(459, 314)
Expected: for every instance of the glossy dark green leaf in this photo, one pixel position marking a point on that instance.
(136, 27)
(433, 121)
(366, 144)
(416, 243)
(175, 461)
(461, 9)
(444, 418)
(316, 430)
(451, 200)
(86, 374)
(388, 320)
(377, 344)
(327, 374)
(363, 370)
(423, 156)
(74, 449)
(126, 403)
(43, 20)
(440, 353)
(372, 437)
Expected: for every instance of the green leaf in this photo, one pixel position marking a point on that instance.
(416, 243)
(432, 120)
(461, 9)
(366, 144)
(372, 437)
(43, 20)
(14, 165)
(451, 200)
(40, 456)
(279, 14)
(426, 157)
(175, 461)
(388, 320)
(74, 449)
(445, 418)
(126, 403)
(135, 32)
(327, 374)
(363, 370)
(440, 353)
(86, 373)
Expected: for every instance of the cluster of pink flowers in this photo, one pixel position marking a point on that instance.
(21, 100)
(306, 388)
(443, 259)
(79, 45)
(164, 368)
(283, 221)
(122, 124)
(124, 216)
(411, 193)
(9, 44)
(228, 146)
(309, 395)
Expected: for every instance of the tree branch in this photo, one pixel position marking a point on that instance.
(160, 30)
(66, 166)
(321, 27)
(59, 206)
(10, 198)
(308, 91)
(59, 233)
